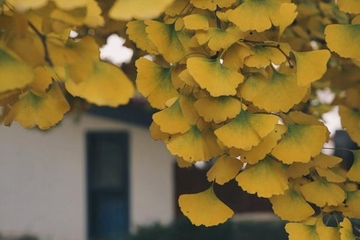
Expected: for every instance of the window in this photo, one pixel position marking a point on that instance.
(107, 185)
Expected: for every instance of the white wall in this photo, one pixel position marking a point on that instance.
(42, 178)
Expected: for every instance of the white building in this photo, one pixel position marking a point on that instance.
(83, 179)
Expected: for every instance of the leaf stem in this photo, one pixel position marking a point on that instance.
(43, 41)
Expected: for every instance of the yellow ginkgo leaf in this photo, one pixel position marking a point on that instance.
(350, 120)
(234, 56)
(326, 161)
(93, 16)
(266, 178)
(346, 230)
(173, 45)
(31, 110)
(196, 22)
(300, 143)
(219, 38)
(300, 231)
(14, 72)
(246, 130)
(157, 134)
(257, 15)
(353, 173)
(343, 39)
(182, 163)
(70, 4)
(287, 14)
(352, 204)
(350, 6)
(298, 169)
(194, 145)
(291, 206)
(262, 55)
(42, 80)
(305, 61)
(154, 82)
(224, 169)
(211, 75)
(253, 85)
(172, 120)
(259, 152)
(136, 32)
(279, 94)
(204, 208)
(107, 86)
(218, 109)
(211, 4)
(24, 5)
(326, 232)
(187, 103)
(127, 9)
(335, 175)
(321, 193)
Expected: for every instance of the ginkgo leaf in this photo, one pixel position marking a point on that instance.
(305, 61)
(279, 94)
(211, 4)
(291, 206)
(24, 5)
(204, 208)
(187, 103)
(287, 14)
(353, 173)
(300, 231)
(107, 86)
(257, 15)
(343, 39)
(127, 9)
(224, 169)
(331, 174)
(154, 82)
(31, 110)
(300, 143)
(350, 120)
(194, 145)
(352, 204)
(217, 109)
(326, 232)
(321, 193)
(136, 32)
(326, 161)
(70, 4)
(42, 81)
(211, 75)
(263, 55)
(246, 130)
(266, 178)
(350, 6)
(14, 72)
(259, 152)
(93, 16)
(346, 230)
(298, 169)
(219, 38)
(196, 22)
(182, 163)
(157, 134)
(234, 56)
(172, 120)
(172, 44)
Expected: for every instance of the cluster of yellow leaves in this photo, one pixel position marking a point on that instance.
(229, 80)
(40, 65)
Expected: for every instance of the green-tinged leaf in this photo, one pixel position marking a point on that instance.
(350, 120)
(301, 231)
(211, 75)
(204, 208)
(344, 39)
(46, 111)
(154, 82)
(136, 33)
(246, 130)
(266, 178)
